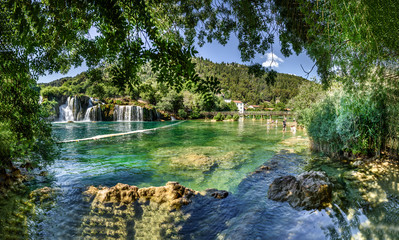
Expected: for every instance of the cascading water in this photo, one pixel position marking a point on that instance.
(79, 109)
(128, 113)
(70, 110)
(84, 109)
(93, 113)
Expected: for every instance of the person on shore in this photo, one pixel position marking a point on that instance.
(284, 124)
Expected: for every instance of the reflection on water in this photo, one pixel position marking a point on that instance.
(199, 155)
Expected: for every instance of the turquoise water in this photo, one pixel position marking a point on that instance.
(227, 150)
(199, 155)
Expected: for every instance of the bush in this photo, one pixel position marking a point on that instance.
(236, 117)
(228, 117)
(182, 113)
(233, 106)
(218, 117)
(279, 106)
(172, 102)
(195, 114)
(353, 123)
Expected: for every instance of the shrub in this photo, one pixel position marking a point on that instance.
(182, 113)
(218, 117)
(195, 114)
(236, 117)
(233, 106)
(228, 117)
(172, 102)
(353, 123)
(279, 106)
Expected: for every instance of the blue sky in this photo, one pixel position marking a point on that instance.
(230, 53)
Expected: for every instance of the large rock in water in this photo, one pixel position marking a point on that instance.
(173, 194)
(310, 190)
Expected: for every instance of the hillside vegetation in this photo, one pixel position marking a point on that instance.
(230, 80)
(236, 83)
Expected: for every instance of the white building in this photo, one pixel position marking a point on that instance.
(240, 106)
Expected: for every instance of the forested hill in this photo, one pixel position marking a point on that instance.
(236, 83)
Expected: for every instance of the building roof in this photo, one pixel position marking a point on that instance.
(237, 101)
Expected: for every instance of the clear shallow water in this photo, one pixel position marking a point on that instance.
(199, 155)
(227, 151)
(69, 131)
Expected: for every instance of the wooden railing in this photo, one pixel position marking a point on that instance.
(250, 113)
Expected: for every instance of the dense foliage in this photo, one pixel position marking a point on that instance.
(352, 42)
(234, 80)
(308, 95)
(362, 122)
(51, 36)
(25, 134)
(237, 83)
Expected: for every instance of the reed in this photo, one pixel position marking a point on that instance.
(362, 123)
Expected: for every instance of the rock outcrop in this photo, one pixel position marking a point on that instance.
(310, 190)
(173, 194)
(218, 194)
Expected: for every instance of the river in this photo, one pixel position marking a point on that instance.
(198, 155)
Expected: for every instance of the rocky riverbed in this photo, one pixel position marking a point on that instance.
(361, 193)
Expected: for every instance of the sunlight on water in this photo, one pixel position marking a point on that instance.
(197, 154)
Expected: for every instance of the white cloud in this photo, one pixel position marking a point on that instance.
(272, 60)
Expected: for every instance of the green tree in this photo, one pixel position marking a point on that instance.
(308, 95)
(172, 102)
(24, 129)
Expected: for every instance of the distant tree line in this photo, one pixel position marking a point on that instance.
(233, 80)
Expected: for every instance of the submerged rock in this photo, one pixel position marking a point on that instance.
(310, 190)
(193, 161)
(218, 194)
(43, 173)
(204, 158)
(43, 194)
(173, 194)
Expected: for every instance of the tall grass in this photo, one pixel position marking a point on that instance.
(356, 123)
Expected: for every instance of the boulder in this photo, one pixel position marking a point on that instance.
(309, 190)
(43, 194)
(218, 194)
(173, 194)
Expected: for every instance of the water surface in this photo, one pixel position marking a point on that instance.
(199, 155)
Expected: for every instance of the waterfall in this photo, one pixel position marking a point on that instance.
(75, 109)
(87, 109)
(93, 113)
(128, 113)
(70, 110)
